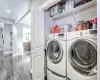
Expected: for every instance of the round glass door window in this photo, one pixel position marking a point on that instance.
(83, 56)
(54, 51)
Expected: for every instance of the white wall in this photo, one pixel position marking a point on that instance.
(98, 42)
(7, 37)
(14, 48)
(24, 11)
(1, 32)
(1, 40)
(18, 38)
(18, 34)
(6, 20)
(88, 14)
(27, 19)
(1, 25)
(48, 23)
(26, 34)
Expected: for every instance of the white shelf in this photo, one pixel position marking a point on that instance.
(49, 3)
(76, 10)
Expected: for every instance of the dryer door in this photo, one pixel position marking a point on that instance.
(54, 51)
(83, 56)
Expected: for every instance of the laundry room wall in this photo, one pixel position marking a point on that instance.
(7, 37)
(88, 14)
(48, 24)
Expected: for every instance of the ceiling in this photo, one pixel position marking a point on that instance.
(26, 19)
(15, 6)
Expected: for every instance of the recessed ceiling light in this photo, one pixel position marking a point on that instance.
(8, 11)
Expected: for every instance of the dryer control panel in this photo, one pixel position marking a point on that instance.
(84, 33)
(88, 33)
(93, 31)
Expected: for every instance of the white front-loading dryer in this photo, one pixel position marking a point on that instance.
(82, 55)
(56, 56)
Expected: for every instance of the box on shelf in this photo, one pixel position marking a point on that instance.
(65, 28)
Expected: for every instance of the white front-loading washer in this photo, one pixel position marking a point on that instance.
(56, 56)
(82, 55)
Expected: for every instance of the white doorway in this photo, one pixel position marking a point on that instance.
(2, 77)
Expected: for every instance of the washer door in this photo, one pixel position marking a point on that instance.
(54, 51)
(83, 56)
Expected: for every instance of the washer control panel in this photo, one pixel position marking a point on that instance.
(61, 35)
(57, 36)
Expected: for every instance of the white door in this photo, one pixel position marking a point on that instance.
(37, 44)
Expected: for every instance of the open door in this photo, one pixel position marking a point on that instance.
(37, 44)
